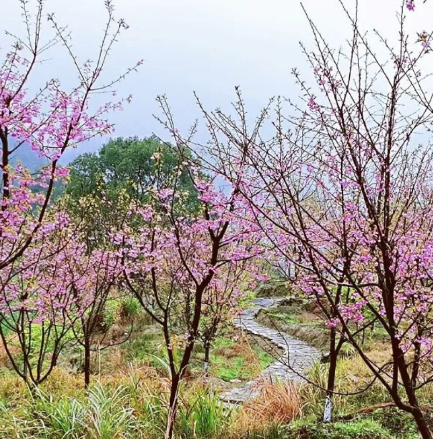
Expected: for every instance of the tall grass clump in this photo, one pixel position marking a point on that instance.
(109, 416)
(203, 416)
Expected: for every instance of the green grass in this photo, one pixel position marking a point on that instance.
(148, 348)
(357, 429)
(290, 319)
(143, 346)
(122, 409)
(238, 366)
(204, 417)
(134, 404)
(382, 424)
(401, 424)
(104, 413)
(228, 370)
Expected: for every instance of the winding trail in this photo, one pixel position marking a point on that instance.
(298, 354)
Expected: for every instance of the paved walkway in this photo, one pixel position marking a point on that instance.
(298, 354)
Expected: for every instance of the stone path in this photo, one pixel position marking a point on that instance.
(298, 354)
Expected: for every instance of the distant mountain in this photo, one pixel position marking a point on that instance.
(30, 159)
(27, 157)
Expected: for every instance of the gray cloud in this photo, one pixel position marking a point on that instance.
(208, 46)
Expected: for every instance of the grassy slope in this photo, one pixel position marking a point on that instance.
(134, 375)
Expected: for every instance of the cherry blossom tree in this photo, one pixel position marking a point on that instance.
(49, 120)
(343, 191)
(38, 307)
(174, 268)
(221, 302)
(93, 257)
(176, 262)
(99, 271)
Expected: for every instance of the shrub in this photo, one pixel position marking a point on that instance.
(130, 307)
(110, 314)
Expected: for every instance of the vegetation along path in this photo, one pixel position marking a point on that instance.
(297, 355)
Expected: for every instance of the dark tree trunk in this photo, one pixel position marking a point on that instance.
(206, 358)
(422, 425)
(415, 411)
(172, 412)
(333, 356)
(86, 361)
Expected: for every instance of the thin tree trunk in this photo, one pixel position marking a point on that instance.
(421, 423)
(206, 358)
(416, 411)
(333, 356)
(86, 361)
(172, 412)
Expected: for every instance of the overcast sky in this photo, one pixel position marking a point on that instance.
(207, 46)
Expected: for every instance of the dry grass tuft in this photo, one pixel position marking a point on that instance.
(4, 359)
(278, 403)
(236, 350)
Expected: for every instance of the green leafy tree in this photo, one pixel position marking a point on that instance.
(133, 166)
